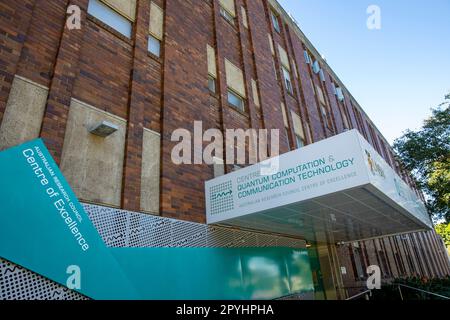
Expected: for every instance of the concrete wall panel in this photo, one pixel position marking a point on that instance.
(93, 165)
(24, 111)
(150, 181)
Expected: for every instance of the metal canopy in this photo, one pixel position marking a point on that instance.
(314, 196)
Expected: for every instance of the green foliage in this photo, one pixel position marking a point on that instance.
(444, 231)
(426, 154)
(391, 292)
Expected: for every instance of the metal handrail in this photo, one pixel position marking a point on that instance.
(421, 290)
(359, 295)
(399, 285)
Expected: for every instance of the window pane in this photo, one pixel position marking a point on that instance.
(110, 17)
(289, 86)
(235, 100)
(300, 142)
(154, 46)
(287, 80)
(212, 84)
(275, 22)
(227, 15)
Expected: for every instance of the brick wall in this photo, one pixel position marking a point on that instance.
(426, 254)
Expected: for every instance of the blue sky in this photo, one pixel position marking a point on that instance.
(396, 73)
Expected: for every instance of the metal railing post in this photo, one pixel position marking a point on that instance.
(400, 291)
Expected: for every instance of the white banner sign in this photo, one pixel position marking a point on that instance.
(336, 164)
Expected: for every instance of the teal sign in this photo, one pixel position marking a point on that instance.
(45, 229)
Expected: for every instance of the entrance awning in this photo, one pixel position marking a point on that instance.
(340, 188)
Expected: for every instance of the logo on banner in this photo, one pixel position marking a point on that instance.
(375, 168)
(221, 198)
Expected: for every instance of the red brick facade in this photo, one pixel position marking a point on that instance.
(411, 255)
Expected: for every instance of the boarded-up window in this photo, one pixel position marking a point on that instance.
(275, 68)
(150, 175)
(244, 17)
(308, 132)
(211, 61)
(271, 44)
(320, 95)
(93, 165)
(235, 78)
(284, 58)
(294, 65)
(127, 8)
(298, 126)
(156, 21)
(344, 117)
(255, 93)
(229, 6)
(24, 111)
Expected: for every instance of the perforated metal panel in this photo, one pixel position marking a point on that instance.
(17, 283)
(120, 228)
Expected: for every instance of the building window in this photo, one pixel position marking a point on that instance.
(298, 130)
(110, 17)
(154, 46)
(236, 85)
(212, 84)
(272, 48)
(300, 141)
(307, 57)
(235, 100)
(212, 70)
(324, 111)
(255, 93)
(156, 29)
(227, 15)
(244, 17)
(316, 67)
(326, 118)
(276, 24)
(288, 138)
(308, 132)
(275, 69)
(287, 80)
(344, 118)
(340, 94)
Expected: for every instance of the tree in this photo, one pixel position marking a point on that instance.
(444, 231)
(426, 154)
